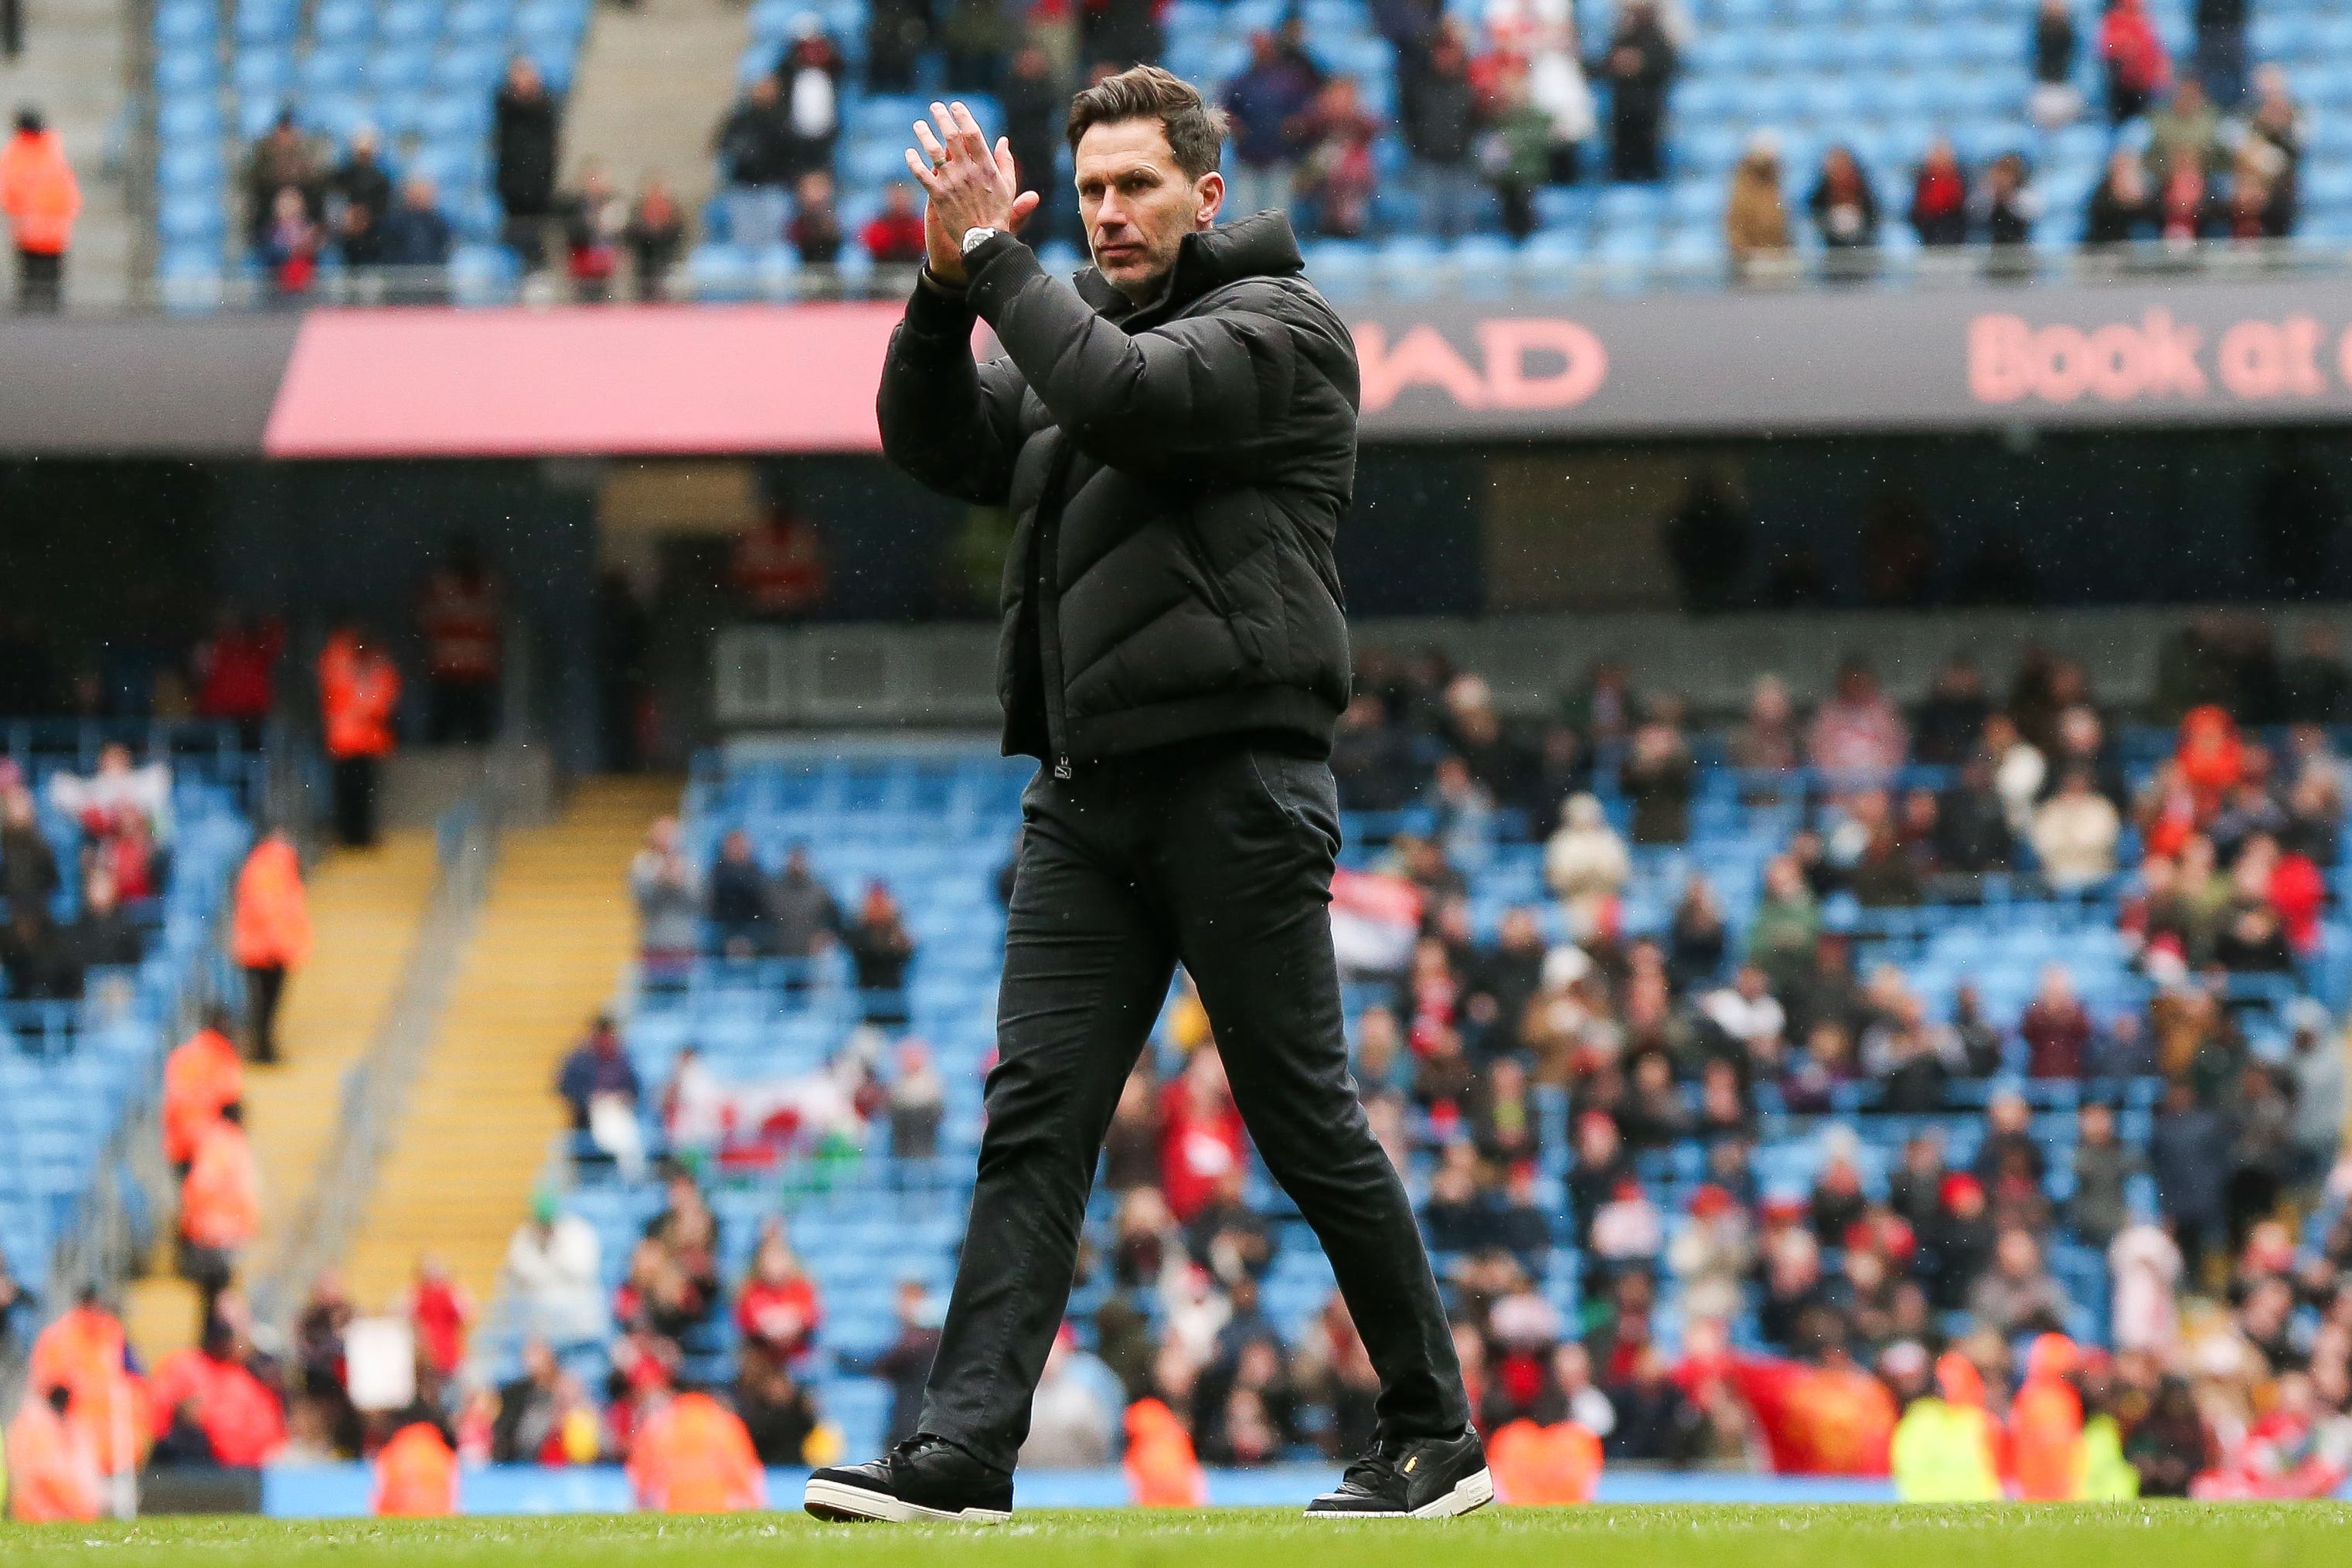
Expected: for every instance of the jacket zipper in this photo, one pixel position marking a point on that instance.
(1045, 583)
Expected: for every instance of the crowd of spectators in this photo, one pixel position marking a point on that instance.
(120, 816)
(1485, 112)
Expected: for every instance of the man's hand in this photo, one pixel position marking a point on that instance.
(968, 185)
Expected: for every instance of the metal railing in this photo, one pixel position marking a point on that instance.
(775, 277)
(374, 1092)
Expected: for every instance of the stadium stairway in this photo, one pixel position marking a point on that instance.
(365, 908)
(72, 70)
(655, 77)
(557, 927)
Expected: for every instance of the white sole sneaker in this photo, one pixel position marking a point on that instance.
(832, 1501)
(1469, 1493)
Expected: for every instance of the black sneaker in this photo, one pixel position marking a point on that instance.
(924, 1478)
(1411, 1477)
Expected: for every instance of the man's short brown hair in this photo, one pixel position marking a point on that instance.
(1196, 130)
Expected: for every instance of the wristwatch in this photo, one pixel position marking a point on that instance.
(974, 237)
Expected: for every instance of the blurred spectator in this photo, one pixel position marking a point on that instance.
(2075, 833)
(2189, 1153)
(778, 1313)
(202, 1077)
(1939, 192)
(2186, 131)
(893, 236)
(1335, 167)
(897, 32)
(290, 242)
(2103, 1168)
(1659, 775)
(415, 234)
(242, 1420)
(1118, 33)
(1857, 731)
(359, 693)
(906, 1362)
(460, 614)
(2170, 1446)
(1755, 220)
(1516, 155)
(554, 1271)
(1542, 33)
(53, 1471)
(236, 672)
(2321, 1091)
(918, 1102)
(1437, 113)
(978, 36)
(2278, 124)
(282, 159)
(1202, 1136)
(1071, 1424)
(742, 919)
(29, 866)
(1036, 106)
(757, 160)
(527, 126)
(806, 919)
(2007, 206)
(2018, 1296)
(1262, 106)
(598, 1084)
(441, 1311)
(2221, 50)
(1586, 863)
(881, 949)
(220, 1207)
(668, 898)
(41, 198)
(1951, 719)
(360, 190)
(779, 562)
(808, 79)
(2123, 205)
(2055, 101)
(655, 237)
(814, 232)
(1639, 66)
(595, 217)
(1845, 214)
(2136, 64)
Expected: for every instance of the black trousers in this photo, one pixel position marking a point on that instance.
(355, 789)
(263, 987)
(462, 712)
(40, 282)
(1218, 854)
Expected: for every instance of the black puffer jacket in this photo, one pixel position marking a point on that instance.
(1176, 472)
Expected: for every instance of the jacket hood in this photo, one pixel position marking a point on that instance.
(1259, 246)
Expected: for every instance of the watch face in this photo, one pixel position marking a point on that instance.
(973, 236)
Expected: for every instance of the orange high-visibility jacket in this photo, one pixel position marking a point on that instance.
(52, 1466)
(38, 191)
(200, 1077)
(1544, 1465)
(273, 914)
(1162, 1471)
(220, 1203)
(416, 1474)
(83, 1350)
(695, 1457)
(2045, 1423)
(358, 694)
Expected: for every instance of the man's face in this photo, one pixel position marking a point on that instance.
(1138, 204)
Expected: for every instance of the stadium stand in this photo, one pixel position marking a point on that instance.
(1885, 80)
(766, 1080)
(82, 1053)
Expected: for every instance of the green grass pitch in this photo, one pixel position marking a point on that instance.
(2136, 1535)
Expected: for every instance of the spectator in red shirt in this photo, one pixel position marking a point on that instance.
(236, 671)
(1202, 1136)
(2055, 1027)
(894, 237)
(442, 1310)
(2138, 66)
(779, 1311)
